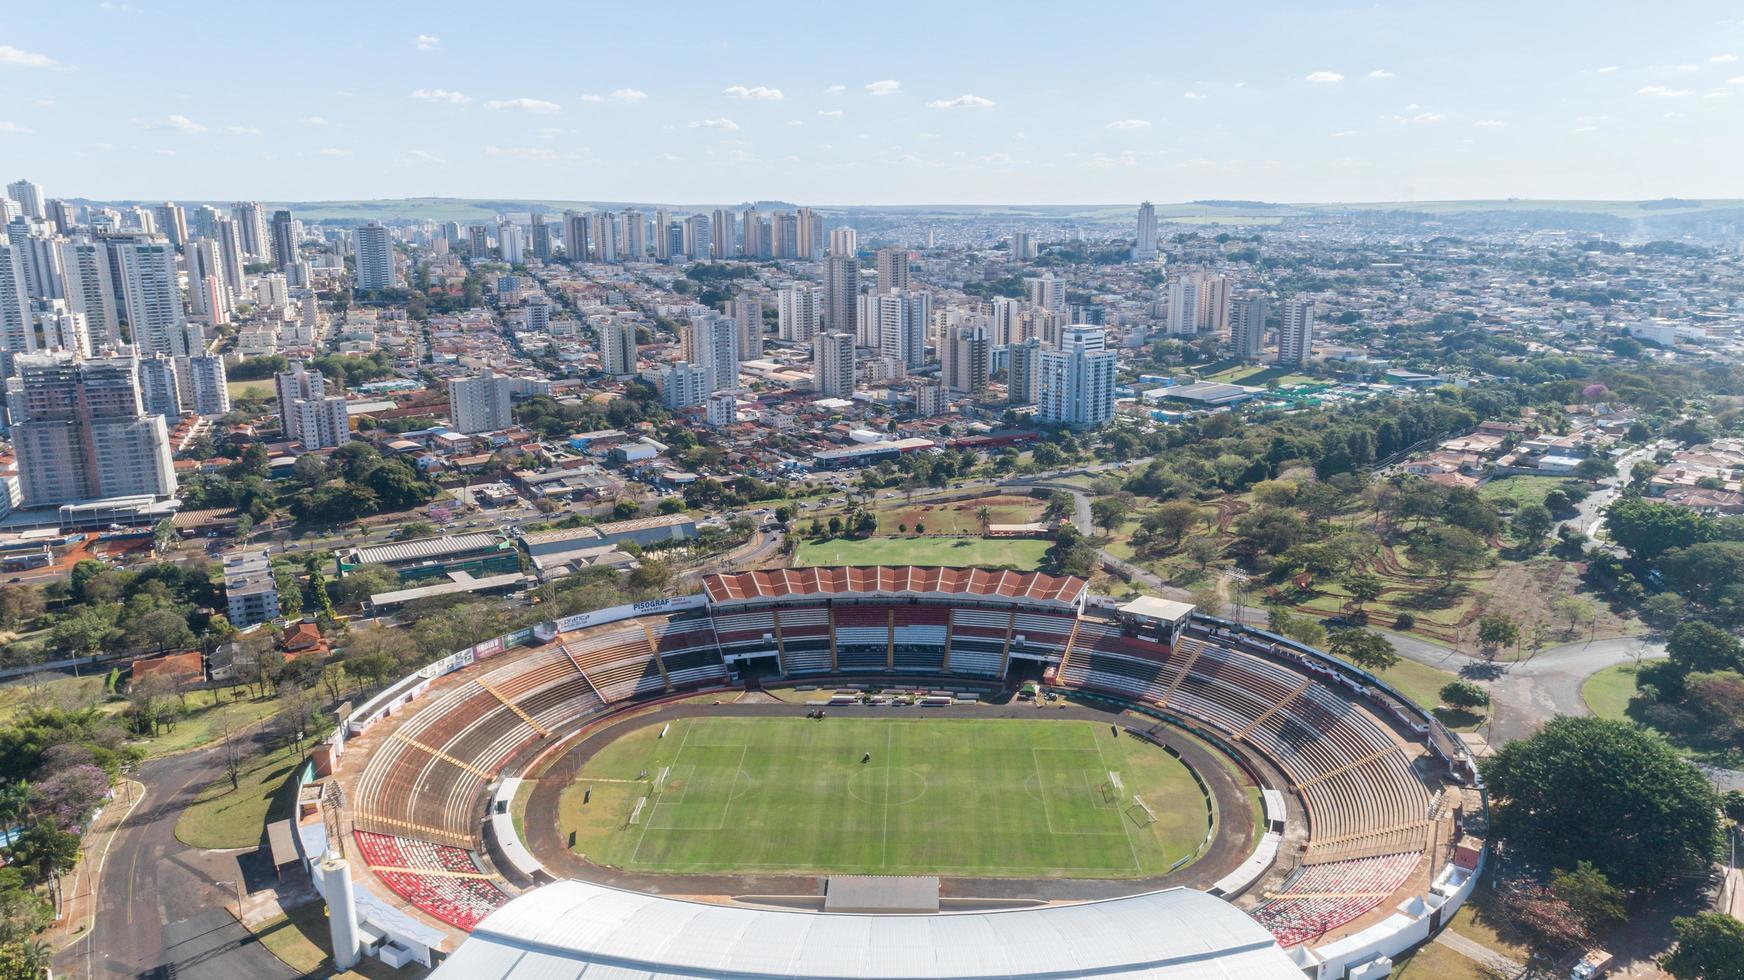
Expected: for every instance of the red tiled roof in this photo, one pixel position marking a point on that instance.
(842, 581)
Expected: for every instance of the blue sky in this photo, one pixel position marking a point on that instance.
(886, 103)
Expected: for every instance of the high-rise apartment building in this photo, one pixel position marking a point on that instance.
(285, 248)
(965, 358)
(312, 416)
(159, 391)
(684, 385)
(605, 236)
(81, 433)
(844, 241)
(509, 242)
(810, 241)
(892, 270)
(29, 198)
(480, 403)
(575, 246)
(1247, 325)
(841, 288)
(1077, 381)
(204, 384)
(17, 331)
(1046, 292)
(1296, 333)
(541, 238)
(747, 312)
(89, 284)
(832, 365)
(899, 323)
(617, 346)
(375, 257)
(799, 313)
(712, 343)
(151, 293)
(250, 218)
(1023, 372)
(696, 236)
(1183, 315)
(1144, 246)
(635, 236)
(723, 243)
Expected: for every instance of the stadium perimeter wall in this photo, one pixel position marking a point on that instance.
(1414, 922)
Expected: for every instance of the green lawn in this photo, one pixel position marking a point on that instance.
(249, 389)
(53, 691)
(1021, 553)
(209, 713)
(302, 941)
(223, 817)
(954, 796)
(1519, 491)
(1607, 692)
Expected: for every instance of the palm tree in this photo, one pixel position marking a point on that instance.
(984, 514)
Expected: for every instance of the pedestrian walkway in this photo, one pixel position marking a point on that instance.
(1477, 952)
(79, 890)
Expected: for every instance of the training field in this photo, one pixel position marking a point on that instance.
(1021, 553)
(1009, 798)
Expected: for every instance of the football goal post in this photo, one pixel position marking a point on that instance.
(1140, 813)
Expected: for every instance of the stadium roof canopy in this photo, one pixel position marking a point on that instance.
(844, 582)
(572, 929)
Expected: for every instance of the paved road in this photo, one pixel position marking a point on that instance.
(156, 896)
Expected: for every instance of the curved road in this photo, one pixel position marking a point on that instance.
(157, 897)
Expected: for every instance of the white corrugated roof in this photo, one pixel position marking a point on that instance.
(573, 929)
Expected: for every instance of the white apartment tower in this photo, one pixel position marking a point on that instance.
(151, 294)
(899, 323)
(832, 365)
(480, 403)
(1247, 325)
(712, 343)
(799, 313)
(617, 346)
(1144, 246)
(1296, 333)
(375, 257)
(312, 416)
(684, 385)
(1077, 381)
(29, 198)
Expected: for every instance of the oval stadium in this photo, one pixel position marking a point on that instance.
(891, 772)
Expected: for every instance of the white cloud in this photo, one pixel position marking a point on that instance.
(722, 123)
(316, 121)
(1130, 124)
(1735, 81)
(1664, 92)
(239, 130)
(13, 129)
(835, 90)
(1323, 77)
(962, 102)
(1192, 96)
(122, 8)
(440, 95)
(888, 86)
(332, 151)
(1380, 73)
(11, 57)
(1689, 67)
(1605, 70)
(1723, 59)
(552, 132)
(831, 113)
(757, 93)
(427, 42)
(522, 152)
(1490, 124)
(179, 123)
(621, 95)
(536, 106)
(1343, 133)
(1419, 118)
(424, 156)
(671, 158)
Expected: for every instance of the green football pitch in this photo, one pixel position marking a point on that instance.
(991, 798)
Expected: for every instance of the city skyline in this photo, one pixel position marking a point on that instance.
(1327, 103)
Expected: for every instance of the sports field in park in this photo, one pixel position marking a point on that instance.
(1021, 553)
(989, 798)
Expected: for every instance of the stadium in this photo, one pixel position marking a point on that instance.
(891, 772)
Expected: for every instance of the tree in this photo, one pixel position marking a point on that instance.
(1733, 805)
(1108, 513)
(1710, 946)
(1698, 646)
(1208, 600)
(984, 515)
(1174, 518)
(1647, 529)
(1464, 694)
(1203, 551)
(1551, 793)
(1576, 611)
(1495, 631)
(1531, 523)
(1450, 550)
(1364, 587)
(1060, 506)
(161, 629)
(1365, 648)
(1592, 896)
